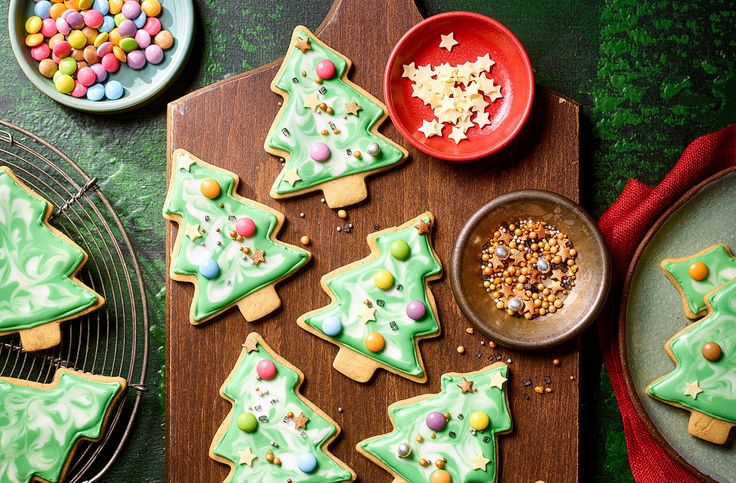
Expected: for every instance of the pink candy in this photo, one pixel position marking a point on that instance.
(266, 369)
(40, 52)
(136, 59)
(75, 19)
(325, 69)
(62, 26)
(79, 90)
(48, 27)
(93, 19)
(143, 38)
(99, 71)
(62, 49)
(86, 76)
(127, 28)
(110, 63)
(104, 49)
(131, 9)
(245, 226)
(154, 54)
(152, 26)
(319, 151)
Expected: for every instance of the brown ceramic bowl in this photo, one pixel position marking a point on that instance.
(585, 299)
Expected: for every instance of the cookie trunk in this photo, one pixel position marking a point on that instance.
(346, 191)
(41, 337)
(710, 429)
(354, 365)
(259, 304)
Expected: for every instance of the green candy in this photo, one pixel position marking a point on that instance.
(247, 422)
(400, 250)
(68, 66)
(128, 44)
(119, 18)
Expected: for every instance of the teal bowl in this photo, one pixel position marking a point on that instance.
(141, 86)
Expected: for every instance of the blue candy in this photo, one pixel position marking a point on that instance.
(96, 92)
(108, 23)
(332, 326)
(42, 9)
(307, 462)
(140, 20)
(209, 269)
(113, 91)
(102, 6)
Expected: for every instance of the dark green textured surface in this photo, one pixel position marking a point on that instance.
(651, 75)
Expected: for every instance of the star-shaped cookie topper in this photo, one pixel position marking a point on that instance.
(300, 422)
(465, 386)
(496, 262)
(457, 135)
(480, 462)
(692, 389)
(352, 107)
(258, 256)
(247, 457)
(193, 232)
(422, 227)
(250, 345)
(185, 162)
(311, 101)
(448, 41)
(505, 237)
(497, 380)
(291, 176)
(302, 44)
(564, 252)
(367, 314)
(518, 256)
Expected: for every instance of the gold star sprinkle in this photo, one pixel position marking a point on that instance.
(300, 422)
(466, 386)
(291, 176)
(311, 101)
(258, 256)
(185, 161)
(352, 108)
(692, 389)
(367, 314)
(480, 462)
(497, 380)
(192, 232)
(250, 345)
(302, 44)
(247, 457)
(422, 227)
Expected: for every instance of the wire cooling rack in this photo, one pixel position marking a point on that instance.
(112, 341)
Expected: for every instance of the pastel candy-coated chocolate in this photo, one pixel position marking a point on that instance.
(266, 369)
(86, 76)
(143, 38)
(108, 23)
(68, 66)
(127, 28)
(307, 463)
(104, 49)
(100, 72)
(48, 68)
(110, 62)
(416, 310)
(62, 26)
(48, 27)
(114, 90)
(136, 59)
(151, 7)
(325, 69)
(152, 26)
(33, 24)
(96, 92)
(245, 226)
(247, 422)
(40, 52)
(42, 9)
(140, 20)
(209, 269)
(79, 90)
(436, 421)
(131, 9)
(93, 19)
(332, 326)
(102, 6)
(75, 20)
(319, 151)
(128, 44)
(154, 54)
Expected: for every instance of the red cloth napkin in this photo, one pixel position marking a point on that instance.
(624, 225)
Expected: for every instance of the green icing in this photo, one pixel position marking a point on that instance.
(721, 268)
(40, 426)
(409, 419)
(270, 404)
(298, 127)
(717, 379)
(354, 286)
(239, 275)
(35, 264)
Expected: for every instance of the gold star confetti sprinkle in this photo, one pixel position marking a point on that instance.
(302, 44)
(422, 227)
(300, 422)
(193, 232)
(692, 389)
(258, 256)
(367, 314)
(311, 101)
(352, 108)
(465, 386)
(480, 462)
(250, 345)
(247, 457)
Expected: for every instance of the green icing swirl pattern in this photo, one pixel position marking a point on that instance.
(355, 285)
(409, 419)
(273, 400)
(40, 426)
(304, 125)
(35, 264)
(717, 379)
(239, 276)
(721, 268)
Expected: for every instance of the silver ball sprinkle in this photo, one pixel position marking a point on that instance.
(543, 265)
(404, 450)
(515, 304)
(373, 149)
(501, 252)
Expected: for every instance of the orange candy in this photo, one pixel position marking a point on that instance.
(210, 188)
(440, 476)
(151, 7)
(56, 10)
(374, 342)
(698, 271)
(119, 53)
(116, 6)
(114, 36)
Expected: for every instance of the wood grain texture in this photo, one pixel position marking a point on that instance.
(226, 124)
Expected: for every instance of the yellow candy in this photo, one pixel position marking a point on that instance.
(34, 40)
(90, 34)
(119, 53)
(100, 39)
(34, 24)
(479, 420)
(85, 4)
(77, 39)
(64, 83)
(56, 10)
(151, 8)
(73, 4)
(383, 279)
(116, 6)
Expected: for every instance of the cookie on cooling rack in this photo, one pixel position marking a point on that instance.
(39, 287)
(44, 423)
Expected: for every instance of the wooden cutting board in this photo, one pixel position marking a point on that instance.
(226, 124)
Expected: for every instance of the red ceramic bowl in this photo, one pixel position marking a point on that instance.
(477, 35)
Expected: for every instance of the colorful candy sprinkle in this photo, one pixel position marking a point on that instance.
(266, 369)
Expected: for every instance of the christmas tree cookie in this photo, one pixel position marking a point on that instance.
(446, 437)
(42, 424)
(381, 305)
(327, 128)
(39, 287)
(704, 381)
(699, 274)
(272, 432)
(226, 244)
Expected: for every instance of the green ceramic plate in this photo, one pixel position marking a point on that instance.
(654, 314)
(141, 86)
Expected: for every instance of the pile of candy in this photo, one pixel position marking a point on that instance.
(79, 42)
